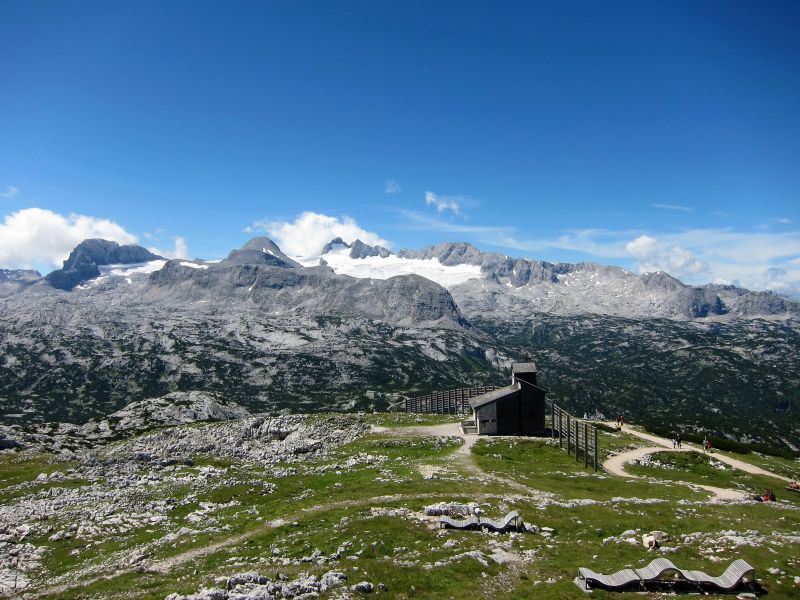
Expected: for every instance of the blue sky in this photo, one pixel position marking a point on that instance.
(653, 135)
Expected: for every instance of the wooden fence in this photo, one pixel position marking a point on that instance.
(577, 435)
(449, 402)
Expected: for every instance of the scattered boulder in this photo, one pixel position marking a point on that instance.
(654, 539)
(450, 509)
(365, 587)
(253, 586)
(7, 443)
(332, 579)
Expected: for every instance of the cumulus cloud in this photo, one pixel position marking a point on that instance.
(10, 192)
(310, 231)
(36, 236)
(674, 259)
(392, 187)
(443, 203)
(179, 250)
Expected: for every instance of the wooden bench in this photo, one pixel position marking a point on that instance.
(655, 572)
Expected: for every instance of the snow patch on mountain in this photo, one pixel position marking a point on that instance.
(376, 267)
(128, 270)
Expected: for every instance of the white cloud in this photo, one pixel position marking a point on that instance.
(310, 231)
(35, 236)
(392, 187)
(179, 250)
(443, 203)
(673, 207)
(10, 192)
(652, 256)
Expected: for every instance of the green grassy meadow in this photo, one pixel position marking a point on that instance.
(364, 503)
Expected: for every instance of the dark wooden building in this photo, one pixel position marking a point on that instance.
(514, 410)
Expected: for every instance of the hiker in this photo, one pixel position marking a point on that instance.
(678, 439)
(708, 445)
(585, 416)
(674, 443)
(705, 444)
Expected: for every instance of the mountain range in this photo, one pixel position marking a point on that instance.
(118, 324)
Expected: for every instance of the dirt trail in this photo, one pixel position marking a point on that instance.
(616, 464)
(463, 455)
(165, 565)
(734, 462)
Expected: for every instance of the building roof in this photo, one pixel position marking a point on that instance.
(526, 367)
(494, 396)
(529, 384)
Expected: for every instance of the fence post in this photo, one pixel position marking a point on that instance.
(585, 444)
(595, 448)
(553, 421)
(569, 435)
(560, 434)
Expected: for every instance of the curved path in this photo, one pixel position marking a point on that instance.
(734, 462)
(166, 564)
(616, 464)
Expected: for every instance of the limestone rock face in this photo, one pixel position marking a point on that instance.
(361, 250)
(260, 273)
(13, 281)
(83, 262)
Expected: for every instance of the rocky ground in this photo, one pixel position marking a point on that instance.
(170, 502)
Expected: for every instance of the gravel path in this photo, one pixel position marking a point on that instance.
(734, 462)
(616, 464)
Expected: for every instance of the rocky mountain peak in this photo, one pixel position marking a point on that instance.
(358, 249)
(261, 251)
(13, 281)
(661, 281)
(8, 275)
(447, 253)
(82, 263)
(361, 250)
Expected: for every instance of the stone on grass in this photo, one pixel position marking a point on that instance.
(332, 579)
(365, 587)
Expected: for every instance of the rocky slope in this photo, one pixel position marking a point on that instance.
(274, 333)
(13, 281)
(521, 286)
(336, 506)
(84, 261)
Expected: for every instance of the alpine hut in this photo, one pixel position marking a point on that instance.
(514, 410)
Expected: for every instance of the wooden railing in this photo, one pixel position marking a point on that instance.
(449, 402)
(577, 435)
